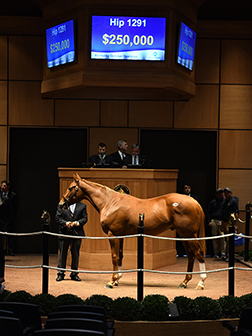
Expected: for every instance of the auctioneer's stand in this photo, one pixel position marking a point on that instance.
(143, 183)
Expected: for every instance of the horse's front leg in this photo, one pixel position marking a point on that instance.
(116, 254)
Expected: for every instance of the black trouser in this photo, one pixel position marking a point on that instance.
(75, 251)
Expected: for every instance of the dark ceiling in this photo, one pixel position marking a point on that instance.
(210, 10)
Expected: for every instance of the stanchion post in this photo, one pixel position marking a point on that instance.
(231, 261)
(247, 229)
(140, 255)
(46, 224)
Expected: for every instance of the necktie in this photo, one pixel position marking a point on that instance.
(135, 160)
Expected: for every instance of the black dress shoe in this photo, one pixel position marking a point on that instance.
(60, 277)
(75, 277)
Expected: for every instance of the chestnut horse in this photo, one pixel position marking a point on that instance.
(119, 216)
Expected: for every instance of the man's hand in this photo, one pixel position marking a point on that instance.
(75, 224)
(69, 225)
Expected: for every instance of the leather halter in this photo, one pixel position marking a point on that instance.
(74, 194)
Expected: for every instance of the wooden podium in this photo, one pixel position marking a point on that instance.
(143, 183)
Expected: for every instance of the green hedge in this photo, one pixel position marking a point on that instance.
(152, 308)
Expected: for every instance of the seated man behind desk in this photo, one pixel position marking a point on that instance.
(136, 159)
(101, 159)
(121, 158)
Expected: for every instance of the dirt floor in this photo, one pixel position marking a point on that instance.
(216, 283)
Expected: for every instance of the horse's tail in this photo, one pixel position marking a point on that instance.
(201, 230)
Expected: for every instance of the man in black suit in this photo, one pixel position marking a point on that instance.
(187, 190)
(101, 158)
(136, 159)
(11, 198)
(70, 222)
(121, 157)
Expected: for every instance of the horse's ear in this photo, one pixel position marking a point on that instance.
(76, 177)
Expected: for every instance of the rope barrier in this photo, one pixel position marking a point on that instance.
(128, 271)
(126, 236)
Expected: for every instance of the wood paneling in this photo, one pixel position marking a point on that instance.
(224, 29)
(77, 113)
(3, 103)
(201, 111)
(26, 107)
(3, 57)
(240, 183)
(26, 57)
(236, 66)
(3, 141)
(114, 113)
(22, 25)
(110, 137)
(150, 114)
(236, 106)
(235, 149)
(3, 172)
(207, 61)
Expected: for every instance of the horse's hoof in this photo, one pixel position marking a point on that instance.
(116, 283)
(182, 285)
(200, 287)
(109, 285)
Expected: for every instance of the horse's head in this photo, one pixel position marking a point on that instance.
(232, 219)
(73, 194)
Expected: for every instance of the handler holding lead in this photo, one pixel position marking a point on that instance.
(70, 222)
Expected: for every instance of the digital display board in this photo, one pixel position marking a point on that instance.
(128, 38)
(60, 44)
(186, 47)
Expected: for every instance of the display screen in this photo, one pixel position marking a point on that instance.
(60, 44)
(128, 38)
(186, 47)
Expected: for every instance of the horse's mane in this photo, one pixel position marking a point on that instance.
(108, 189)
(98, 184)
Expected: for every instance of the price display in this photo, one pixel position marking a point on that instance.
(128, 38)
(60, 44)
(186, 48)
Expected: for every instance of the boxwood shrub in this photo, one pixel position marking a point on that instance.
(209, 309)
(155, 308)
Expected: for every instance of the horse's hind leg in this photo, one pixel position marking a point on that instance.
(190, 257)
(116, 254)
(199, 254)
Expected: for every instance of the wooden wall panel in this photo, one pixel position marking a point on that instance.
(3, 141)
(235, 149)
(26, 107)
(77, 113)
(3, 102)
(150, 114)
(201, 111)
(110, 137)
(236, 66)
(240, 183)
(3, 57)
(26, 57)
(3, 175)
(236, 106)
(114, 113)
(207, 61)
